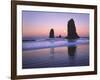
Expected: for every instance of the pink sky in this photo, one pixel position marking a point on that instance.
(38, 24)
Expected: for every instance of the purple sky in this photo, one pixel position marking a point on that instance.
(38, 24)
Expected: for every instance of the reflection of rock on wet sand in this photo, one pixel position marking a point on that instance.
(52, 52)
(72, 50)
(72, 53)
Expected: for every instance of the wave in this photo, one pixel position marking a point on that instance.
(52, 43)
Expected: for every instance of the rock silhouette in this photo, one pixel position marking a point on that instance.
(59, 36)
(72, 34)
(51, 33)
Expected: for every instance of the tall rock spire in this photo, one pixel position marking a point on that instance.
(72, 34)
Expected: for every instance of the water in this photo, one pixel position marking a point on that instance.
(46, 53)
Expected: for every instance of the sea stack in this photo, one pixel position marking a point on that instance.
(51, 33)
(72, 34)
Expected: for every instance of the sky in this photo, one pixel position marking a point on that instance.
(38, 23)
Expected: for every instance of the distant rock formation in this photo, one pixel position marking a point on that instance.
(59, 36)
(72, 34)
(51, 34)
